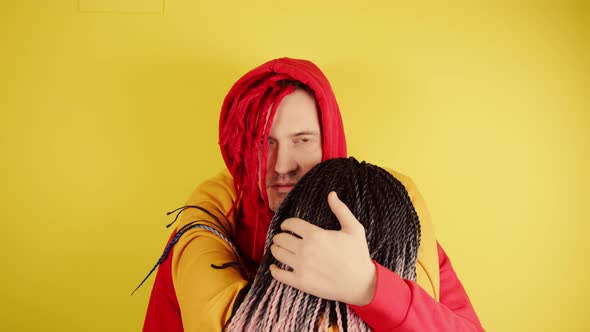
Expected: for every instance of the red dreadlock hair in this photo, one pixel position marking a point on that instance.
(247, 115)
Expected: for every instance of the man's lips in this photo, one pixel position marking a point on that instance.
(282, 187)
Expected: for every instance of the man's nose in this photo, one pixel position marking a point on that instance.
(284, 160)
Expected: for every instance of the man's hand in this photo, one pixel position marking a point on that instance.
(334, 265)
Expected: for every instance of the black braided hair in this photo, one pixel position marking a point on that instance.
(381, 204)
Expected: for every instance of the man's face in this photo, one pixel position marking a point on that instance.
(294, 145)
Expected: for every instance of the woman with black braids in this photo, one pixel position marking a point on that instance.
(381, 204)
(277, 122)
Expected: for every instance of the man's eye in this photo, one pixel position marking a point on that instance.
(301, 140)
(269, 141)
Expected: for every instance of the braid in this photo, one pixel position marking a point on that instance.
(381, 204)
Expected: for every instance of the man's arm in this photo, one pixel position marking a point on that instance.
(188, 294)
(401, 305)
(206, 295)
(329, 264)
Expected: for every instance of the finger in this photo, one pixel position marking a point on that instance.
(284, 256)
(287, 241)
(298, 226)
(347, 220)
(284, 276)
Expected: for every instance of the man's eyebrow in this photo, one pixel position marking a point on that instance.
(305, 132)
(301, 133)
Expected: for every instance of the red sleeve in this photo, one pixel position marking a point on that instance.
(163, 312)
(403, 306)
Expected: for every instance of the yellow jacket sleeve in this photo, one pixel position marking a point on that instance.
(206, 295)
(427, 269)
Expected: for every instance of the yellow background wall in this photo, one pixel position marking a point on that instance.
(108, 119)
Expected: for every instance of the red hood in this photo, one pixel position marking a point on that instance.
(253, 216)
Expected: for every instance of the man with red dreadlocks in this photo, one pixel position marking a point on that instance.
(277, 122)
